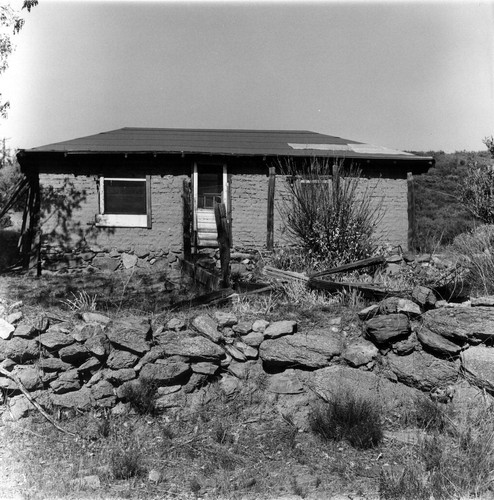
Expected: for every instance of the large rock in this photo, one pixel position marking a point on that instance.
(205, 368)
(422, 370)
(340, 379)
(383, 330)
(55, 339)
(225, 318)
(106, 264)
(436, 343)
(68, 381)
(310, 350)
(18, 349)
(81, 399)
(287, 382)
(6, 329)
(94, 317)
(424, 297)
(99, 345)
(75, 354)
(280, 328)
(131, 334)
(409, 308)
(169, 372)
(368, 312)
(25, 330)
(85, 331)
(253, 339)
(19, 407)
(208, 327)
(194, 347)
(103, 389)
(462, 323)
(118, 377)
(29, 377)
(121, 359)
(53, 365)
(478, 366)
(360, 353)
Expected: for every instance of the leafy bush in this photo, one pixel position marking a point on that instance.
(476, 253)
(330, 213)
(350, 417)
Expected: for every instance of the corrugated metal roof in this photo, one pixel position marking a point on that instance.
(222, 142)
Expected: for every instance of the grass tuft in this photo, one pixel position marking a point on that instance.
(126, 463)
(81, 302)
(142, 396)
(348, 417)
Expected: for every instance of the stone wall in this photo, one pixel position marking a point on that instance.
(400, 347)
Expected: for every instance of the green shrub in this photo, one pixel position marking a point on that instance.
(330, 213)
(348, 417)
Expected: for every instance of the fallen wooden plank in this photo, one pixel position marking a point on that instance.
(207, 299)
(273, 272)
(368, 291)
(352, 266)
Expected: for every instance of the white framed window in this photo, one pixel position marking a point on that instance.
(124, 202)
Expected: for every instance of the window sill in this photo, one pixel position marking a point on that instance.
(122, 220)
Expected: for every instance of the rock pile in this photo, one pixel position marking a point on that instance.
(91, 359)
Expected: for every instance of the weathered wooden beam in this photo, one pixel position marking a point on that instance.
(223, 242)
(210, 298)
(352, 266)
(284, 275)
(368, 291)
(412, 221)
(187, 218)
(270, 214)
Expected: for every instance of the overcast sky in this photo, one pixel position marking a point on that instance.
(405, 75)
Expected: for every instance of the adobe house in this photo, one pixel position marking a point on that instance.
(147, 194)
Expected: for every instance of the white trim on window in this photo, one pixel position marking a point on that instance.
(124, 220)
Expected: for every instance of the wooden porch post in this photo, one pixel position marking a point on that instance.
(270, 215)
(412, 221)
(223, 242)
(187, 219)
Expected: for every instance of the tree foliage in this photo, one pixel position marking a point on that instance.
(11, 24)
(440, 214)
(476, 191)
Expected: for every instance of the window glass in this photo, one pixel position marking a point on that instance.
(124, 196)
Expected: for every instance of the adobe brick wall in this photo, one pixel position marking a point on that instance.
(388, 195)
(69, 234)
(72, 225)
(249, 199)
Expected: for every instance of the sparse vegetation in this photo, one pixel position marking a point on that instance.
(141, 395)
(475, 251)
(346, 416)
(81, 302)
